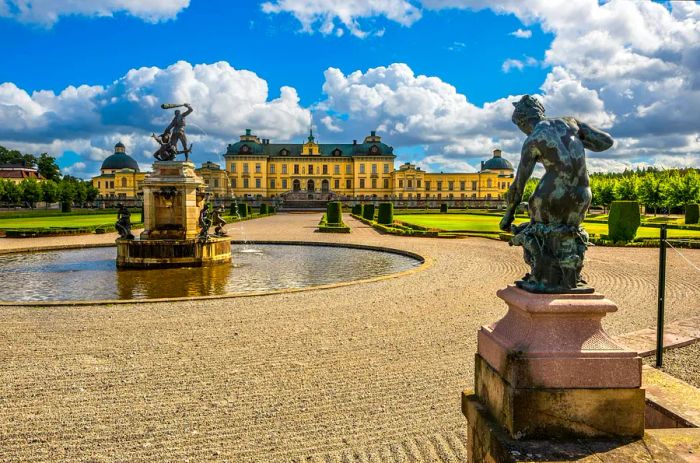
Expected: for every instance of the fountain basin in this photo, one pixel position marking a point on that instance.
(89, 275)
(156, 253)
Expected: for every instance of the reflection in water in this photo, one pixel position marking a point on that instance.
(91, 274)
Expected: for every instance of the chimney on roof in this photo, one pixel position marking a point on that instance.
(354, 142)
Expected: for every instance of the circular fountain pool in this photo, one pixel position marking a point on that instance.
(91, 274)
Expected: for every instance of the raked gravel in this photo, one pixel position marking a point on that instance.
(369, 372)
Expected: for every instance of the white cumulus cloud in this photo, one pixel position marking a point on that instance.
(522, 33)
(48, 12)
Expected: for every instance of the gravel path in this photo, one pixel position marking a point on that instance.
(682, 362)
(367, 373)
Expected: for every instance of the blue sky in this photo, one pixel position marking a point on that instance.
(436, 81)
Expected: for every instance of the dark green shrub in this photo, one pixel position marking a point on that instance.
(243, 210)
(100, 231)
(66, 206)
(368, 211)
(443, 208)
(263, 209)
(249, 210)
(357, 209)
(385, 215)
(232, 210)
(271, 209)
(334, 212)
(692, 214)
(624, 220)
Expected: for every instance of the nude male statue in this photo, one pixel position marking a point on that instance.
(177, 126)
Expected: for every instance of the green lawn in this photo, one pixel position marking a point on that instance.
(489, 224)
(71, 220)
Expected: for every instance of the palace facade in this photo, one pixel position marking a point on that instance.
(259, 169)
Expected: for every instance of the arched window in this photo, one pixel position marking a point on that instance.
(284, 152)
(337, 152)
(296, 185)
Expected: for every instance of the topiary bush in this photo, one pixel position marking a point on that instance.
(243, 210)
(249, 210)
(385, 215)
(368, 211)
(232, 209)
(692, 214)
(263, 209)
(357, 209)
(66, 206)
(623, 220)
(334, 212)
(443, 208)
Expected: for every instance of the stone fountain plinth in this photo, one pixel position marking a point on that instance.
(172, 200)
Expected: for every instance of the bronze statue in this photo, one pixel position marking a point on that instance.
(218, 221)
(123, 224)
(174, 133)
(204, 221)
(553, 240)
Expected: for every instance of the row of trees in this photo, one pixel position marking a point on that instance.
(68, 190)
(654, 188)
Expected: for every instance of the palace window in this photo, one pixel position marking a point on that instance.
(233, 167)
(386, 168)
(439, 196)
(362, 183)
(272, 183)
(488, 196)
(462, 186)
(400, 183)
(246, 184)
(348, 184)
(386, 183)
(427, 185)
(489, 183)
(418, 182)
(336, 169)
(362, 168)
(473, 185)
(325, 169)
(374, 168)
(336, 184)
(296, 168)
(98, 185)
(311, 169)
(451, 185)
(257, 183)
(123, 182)
(245, 168)
(272, 168)
(216, 183)
(410, 183)
(284, 168)
(374, 183)
(337, 152)
(233, 183)
(284, 183)
(439, 186)
(348, 168)
(257, 168)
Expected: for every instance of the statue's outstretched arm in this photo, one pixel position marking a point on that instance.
(188, 112)
(594, 139)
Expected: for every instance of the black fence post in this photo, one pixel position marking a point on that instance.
(662, 298)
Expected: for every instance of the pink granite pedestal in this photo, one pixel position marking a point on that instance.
(547, 370)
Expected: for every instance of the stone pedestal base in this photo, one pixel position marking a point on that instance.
(172, 253)
(489, 442)
(547, 370)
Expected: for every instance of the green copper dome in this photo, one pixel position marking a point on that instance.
(120, 160)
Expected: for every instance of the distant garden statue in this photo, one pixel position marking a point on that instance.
(173, 133)
(218, 221)
(205, 219)
(553, 240)
(123, 224)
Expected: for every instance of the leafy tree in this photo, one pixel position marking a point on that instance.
(31, 192)
(15, 157)
(80, 192)
(651, 192)
(626, 188)
(49, 189)
(92, 192)
(683, 188)
(66, 191)
(12, 192)
(47, 167)
(530, 188)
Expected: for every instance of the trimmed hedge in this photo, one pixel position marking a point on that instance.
(368, 211)
(443, 208)
(386, 213)
(334, 212)
(325, 227)
(263, 209)
(66, 206)
(357, 209)
(242, 210)
(623, 221)
(692, 214)
(249, 209)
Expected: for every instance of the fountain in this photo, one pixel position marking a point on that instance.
(176, 213)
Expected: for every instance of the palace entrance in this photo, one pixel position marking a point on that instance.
(310, 186)
(296, 185)
(325, 187)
